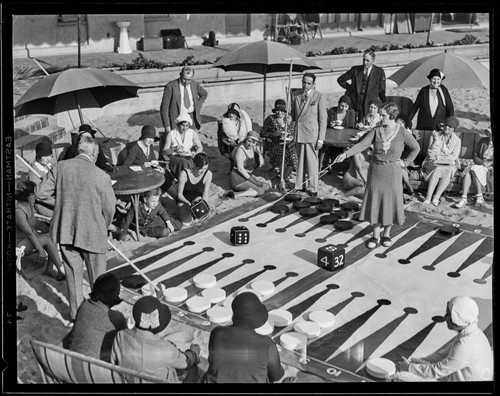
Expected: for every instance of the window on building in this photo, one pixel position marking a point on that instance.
(156, 17)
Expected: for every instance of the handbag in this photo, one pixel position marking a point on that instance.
(200, 209)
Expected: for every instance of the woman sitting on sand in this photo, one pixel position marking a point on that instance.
(247, 158)
(27, 234)
(181, 145)
(354, 180)
(236, 124)
(440, 164)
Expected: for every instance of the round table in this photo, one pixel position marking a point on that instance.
(133, 183)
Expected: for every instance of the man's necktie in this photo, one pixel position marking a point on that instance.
(187, 102)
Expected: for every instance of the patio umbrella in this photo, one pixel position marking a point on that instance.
(460, 72)
(264, 57)
(74, 89)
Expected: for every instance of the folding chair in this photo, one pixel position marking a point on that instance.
(313, 24)
(115, 151)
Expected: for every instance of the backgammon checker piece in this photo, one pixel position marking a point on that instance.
(214, 294)
(219, 315)
(331, 257)
(198, 304)
(294, 341)
(324, 319)
(175, 294)
(204, 281)
(266, 329)
(280, 317)
(380, 367)
(450, 229)
(265, 288)
(308, 328)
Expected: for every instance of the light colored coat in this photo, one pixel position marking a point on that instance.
(85, 203)
(310, 119)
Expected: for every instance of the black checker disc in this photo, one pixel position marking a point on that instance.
(350, 206)
(331, 201)
(329, 219)
(324, 208)
(301, 205)
(342, 214)
(343, 225)
(279, 209)
(308, 212)
(449, 230)
(314, 200)
(134, 281)
(293, 197)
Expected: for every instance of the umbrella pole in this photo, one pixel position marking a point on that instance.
(264, 102)
(94, 125)
(282, 181)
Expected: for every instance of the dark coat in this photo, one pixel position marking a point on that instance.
(349, 120)
(85, 203)
(101, 161)
(171, 102)
(156, 218)
(424, 120)
(374, 89)
(135, 155)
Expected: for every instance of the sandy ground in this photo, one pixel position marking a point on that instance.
(47, 315)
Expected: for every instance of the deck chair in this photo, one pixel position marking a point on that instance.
(281, 28)
(312, 24)
(403, 102)
(58, 365)
(297, 25)
(115, 152)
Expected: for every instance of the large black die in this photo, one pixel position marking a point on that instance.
(239, 235)
(331, 257)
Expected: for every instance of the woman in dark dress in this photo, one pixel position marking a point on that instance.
(141, 152)
(274, 131)
(383, 200)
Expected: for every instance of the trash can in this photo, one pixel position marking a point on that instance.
(172, 38)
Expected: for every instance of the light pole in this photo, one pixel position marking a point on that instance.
(78, 34)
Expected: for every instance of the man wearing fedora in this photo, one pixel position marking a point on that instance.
(182, 95)
(72, 151)
(96, 324)
(237, 353)
(141, 348)
(84, 209)
(367, 82)
(309, 113)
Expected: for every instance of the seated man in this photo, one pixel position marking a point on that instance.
(142, 348)
(154, 220)
(96, 324)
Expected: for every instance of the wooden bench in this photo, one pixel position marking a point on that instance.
(58, 365)
(469, 139)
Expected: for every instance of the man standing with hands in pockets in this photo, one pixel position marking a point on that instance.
(309, 113)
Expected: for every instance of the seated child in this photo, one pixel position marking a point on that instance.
(142, 348)
(154, 220)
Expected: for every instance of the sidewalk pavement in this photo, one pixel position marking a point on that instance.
(360, 40)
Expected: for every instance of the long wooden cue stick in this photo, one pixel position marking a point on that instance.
(25, 163)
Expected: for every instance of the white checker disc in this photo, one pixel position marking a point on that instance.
(214, 294)
(219, 314)
(266, 329)
(380, 367)
(175, 294)
(280, 317)
(293, 341)
(198, 304)
(266, 288)
(204, 281)
(309, 329)
(323, 318)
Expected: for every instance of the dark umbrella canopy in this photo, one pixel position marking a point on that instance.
(459, 71)
(74, 89)
(265, 57)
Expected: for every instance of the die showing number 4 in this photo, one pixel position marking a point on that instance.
(338, 261)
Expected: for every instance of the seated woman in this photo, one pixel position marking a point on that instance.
(72, 152)
(403, 121)
(236, 124)
(154, 220)
(342, 115)
(354, 180)
(96, 324)
(481, 172)
(181, 144)
(144, 349)
(371, 119)
(194, 184)
(439, 165)
(141, 152)
(27, 235)
(468, 357)
(42, 165)
(274, 129)
(247, 158)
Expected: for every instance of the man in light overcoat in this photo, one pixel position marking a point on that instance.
(308, 110)
(84, 208)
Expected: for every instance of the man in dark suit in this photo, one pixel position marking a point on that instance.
(84, 208)
(183, 95)
(309, 113)
(367, 82)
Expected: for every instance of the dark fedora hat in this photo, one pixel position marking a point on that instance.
(106, 289)
(248, 311)
(279, 105)
(86, 128)
(150, 314)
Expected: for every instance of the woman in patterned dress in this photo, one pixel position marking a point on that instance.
(383, 200)
(274, 131)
